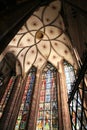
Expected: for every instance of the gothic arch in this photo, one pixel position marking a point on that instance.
(42, 38)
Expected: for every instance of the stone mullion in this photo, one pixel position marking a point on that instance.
(38, 98)
(34, 105)
(64, 99)
(60, 120)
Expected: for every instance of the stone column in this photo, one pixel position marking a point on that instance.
(64, 109)
(60, 119)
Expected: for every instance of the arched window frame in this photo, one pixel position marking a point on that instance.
(49, 75)
(77, 109)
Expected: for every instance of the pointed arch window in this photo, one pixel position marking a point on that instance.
(47, 118)
(24, 111)
(78, 117)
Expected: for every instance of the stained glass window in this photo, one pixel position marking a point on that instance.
(47, 118)
(6, 95)
(76, 104)
(26, 101)
(70, 76)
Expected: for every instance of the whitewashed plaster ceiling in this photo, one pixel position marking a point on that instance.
(42, 38)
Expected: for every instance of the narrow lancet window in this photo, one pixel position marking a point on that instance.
(24, 111)
(48, 109)
(77, 110)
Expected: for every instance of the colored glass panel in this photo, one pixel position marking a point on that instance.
(76, 104)
(6, 95)
(26, 100)
(47, 118)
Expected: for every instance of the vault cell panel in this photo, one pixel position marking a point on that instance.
(54, 58)
(54, 9)
(30, 57)
(52, 32)
(59, 23)
(15, 40)
(44, 48)
(40, 59)
(27, 40)
(21, 57)
(34, 23)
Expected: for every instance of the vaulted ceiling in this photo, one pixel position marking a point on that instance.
(14, 13)
(36, 36)
(42, 38)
